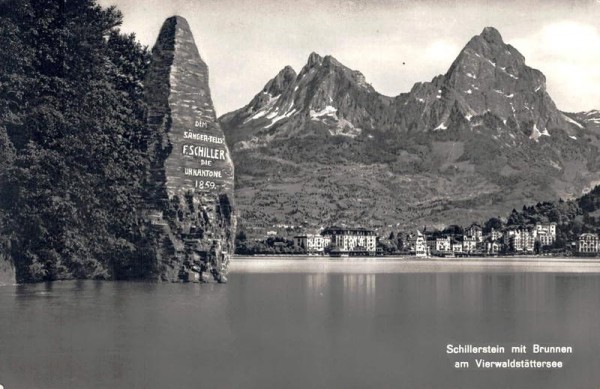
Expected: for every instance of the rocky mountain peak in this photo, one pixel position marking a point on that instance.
(492, 36)
(331, 61)
(325, 67)
(282, 81)
(488, 52)
(486, 129)
(332, 75)
(490, 76)
(325, 93)
(314, 59)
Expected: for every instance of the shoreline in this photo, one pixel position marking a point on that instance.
(314, 264)
(508, 258)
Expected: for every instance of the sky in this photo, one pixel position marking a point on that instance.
(394, 43)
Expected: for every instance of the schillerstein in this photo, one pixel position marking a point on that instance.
(191, 187)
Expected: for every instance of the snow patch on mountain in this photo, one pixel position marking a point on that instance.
(273, 114)
(572, 121)
(264, 110)
(512, 107)
(327, 111)
(536, 133)
(442, 126)
(258, 115)
(593, 112)
(280, 117)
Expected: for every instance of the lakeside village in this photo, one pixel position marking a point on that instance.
(560, 228)
(454, 241)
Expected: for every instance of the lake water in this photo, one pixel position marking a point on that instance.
(307, 324)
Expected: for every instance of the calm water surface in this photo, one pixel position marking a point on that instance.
(319, 328)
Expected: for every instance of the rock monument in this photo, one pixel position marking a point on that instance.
(191, 184)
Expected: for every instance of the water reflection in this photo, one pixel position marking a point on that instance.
(359, 291)
(296, 330)
(315, 283)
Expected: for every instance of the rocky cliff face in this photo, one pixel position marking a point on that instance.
(191, 185)
(325, 91)
(488, 77)
(474, 142)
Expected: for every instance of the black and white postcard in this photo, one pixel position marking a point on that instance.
(299, 194)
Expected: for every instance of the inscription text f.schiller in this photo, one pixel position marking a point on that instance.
(207, 155)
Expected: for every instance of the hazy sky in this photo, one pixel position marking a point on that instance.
(245, 43)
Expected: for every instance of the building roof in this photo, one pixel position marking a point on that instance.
(307, 236)
(342, 230)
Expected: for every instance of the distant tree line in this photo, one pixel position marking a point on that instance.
(572, 218)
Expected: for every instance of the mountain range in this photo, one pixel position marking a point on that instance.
(322, 146)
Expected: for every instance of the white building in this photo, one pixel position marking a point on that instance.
(474, 232)
(469, 244)
(521, 240)
(313, 244)
(442, 244)
(351, 241)
(545, 233)
(496, 235)
(492, 247)
(588, 244)
(417, 245)
(457, 246)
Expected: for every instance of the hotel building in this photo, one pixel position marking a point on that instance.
(588, 244)
(545, 233)
(313, 244)
(351, 241)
